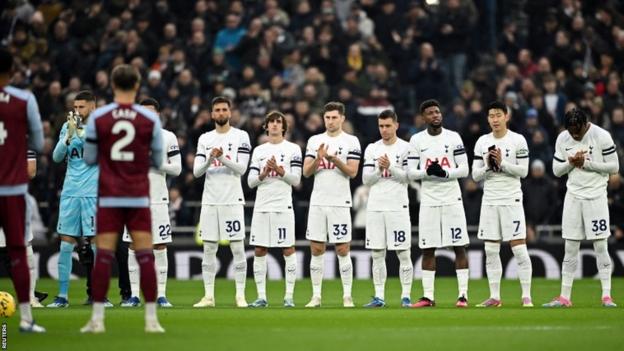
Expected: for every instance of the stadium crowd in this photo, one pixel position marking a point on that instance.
(541, 57)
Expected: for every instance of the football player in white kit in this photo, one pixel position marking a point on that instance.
(501, 158)
(587, 154)
(222, 155)
(333, 158)
(388, 225)
(161, 224)
(438, 158)
(35, 296)
(275, 168)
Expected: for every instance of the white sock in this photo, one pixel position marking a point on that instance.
(290, 267)
(30, 259)
(568, 267)
(603, 263)
(162, 269)
(462, 282)
(493, 268)
(428, 282)
(525, 268)
(406, 272)
(240, 266)
(316, 274)
(209, 267)
(380, 272)
(260, 272)
(25, 312)
(98, 311)
(150, 311)
(346, 274)
(133, 273)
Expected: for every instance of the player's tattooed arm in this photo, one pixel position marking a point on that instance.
(349, 168)
(311, 162)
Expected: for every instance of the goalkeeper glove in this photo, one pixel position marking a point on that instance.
(435, 169)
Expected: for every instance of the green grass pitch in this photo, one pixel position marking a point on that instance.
(585, 326)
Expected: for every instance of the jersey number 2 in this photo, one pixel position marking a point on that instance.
(129, 132)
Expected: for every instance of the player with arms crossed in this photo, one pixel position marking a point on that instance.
(388, 223)
(587, 154)
(122, 138)
(159, 208)
(438, 159)
(19, 118)
(79, 196)
(222, 155)
(35, 296)
(333, 158)
(501, 158)
(275, 169)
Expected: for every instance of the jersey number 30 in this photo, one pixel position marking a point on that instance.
(129, 132)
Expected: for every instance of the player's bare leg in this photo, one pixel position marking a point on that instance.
(260, 272)
(240, 271)
(317, 262)
(346, 272)
(525, 269)
(461, 269)
(290, 269)
(494, 271)
(428, 279)
(603, 263)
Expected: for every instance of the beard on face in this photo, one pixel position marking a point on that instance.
(222, 122)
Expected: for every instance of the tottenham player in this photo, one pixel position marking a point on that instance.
(501, 158)
(35, 296)
(333, 158)
(275, 168)
(388, 223)
(438, 158)
(79, 195)
(587, 154)
(122, 137)
(20, 130)
(222, 155)
(161, 225)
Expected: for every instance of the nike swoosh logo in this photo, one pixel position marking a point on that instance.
(515, 234)
(423, 150)
(281, 242)
(569, 148)
(232, 235)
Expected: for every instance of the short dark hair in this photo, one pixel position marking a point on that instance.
(497, 105)
(150, 102)
(429, 103)
(576, 117)
(220, 100)
(388, 114)
(334, 106)
(272, 116)
(86, 95)
(125, 77)
(6, 61)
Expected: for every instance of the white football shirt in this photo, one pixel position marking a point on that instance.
(159, 194)
(275, 192)
(331, 186)
(448, 149)
(223, 185)
(388, 188)
(502, 188)
(601, 159)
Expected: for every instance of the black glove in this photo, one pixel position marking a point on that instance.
(435, 169)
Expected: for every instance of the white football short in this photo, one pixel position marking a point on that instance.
(585, 219)
(442, 226)
(222, 222)
(502, 222)
(329, 224)
(273, 229)
(390, 230)
(161, 225)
